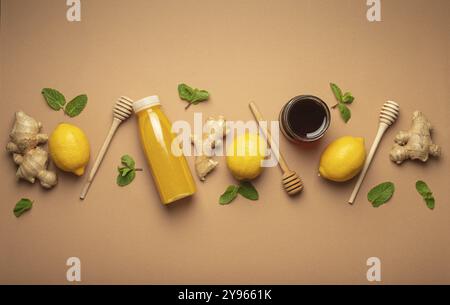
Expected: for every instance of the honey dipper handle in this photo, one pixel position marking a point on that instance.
(115, 124)
(274, 147)
(381, 130)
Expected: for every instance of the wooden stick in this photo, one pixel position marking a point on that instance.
(101, 155)
(122, 111)
(388, 115)
(382, 128)
(281, 161)
(291, 181)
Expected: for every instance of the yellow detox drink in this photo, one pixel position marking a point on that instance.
(170, 172)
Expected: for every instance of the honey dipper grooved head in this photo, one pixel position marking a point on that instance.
(389, 112)
(292, 183)
(123, 108)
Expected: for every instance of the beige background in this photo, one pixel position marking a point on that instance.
(267, 51)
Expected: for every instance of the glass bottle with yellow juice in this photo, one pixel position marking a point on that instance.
(170, 172)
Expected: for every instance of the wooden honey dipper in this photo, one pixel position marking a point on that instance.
(121, 111)
(291, 181)
(388, 115)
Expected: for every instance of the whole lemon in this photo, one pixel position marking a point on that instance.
(343, 159)
(69, 148)
(244, 156)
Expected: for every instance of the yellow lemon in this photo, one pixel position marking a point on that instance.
(244, 156)
(343, 159)
(69, 148)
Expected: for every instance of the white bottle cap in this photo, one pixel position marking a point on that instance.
(146, 102)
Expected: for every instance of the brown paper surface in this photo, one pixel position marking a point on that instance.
(241, 51)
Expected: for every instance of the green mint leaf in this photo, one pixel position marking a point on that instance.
(430, 203)
(423, 189)
(127, 179)
(346, 114)
(54, 98)
(22, 206)
(381, 194)
(76, 106)
(123, 171)
(199, 96)
(348, 98)
(128, 161)
(185, 92)
(229, 195)
(247, 190)
(336, 91)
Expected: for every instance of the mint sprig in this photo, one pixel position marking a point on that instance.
(424, 191)
(245, 189)
(57, 101)
(192, 95)
(127, 172)
(343, 99)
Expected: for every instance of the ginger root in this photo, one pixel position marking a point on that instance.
(32, 160)
(204, 165)
(415, 143)
(214, 131)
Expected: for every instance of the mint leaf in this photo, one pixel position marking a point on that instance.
(229, 195)
(430, 202)
(348, 98)
(345, 112)
(22, 206)
(337, 91)
(54, 98)
(126, 179)
(185, 92)
(76, 106)
(123, 171)
(381, 194)
(247, 190)
(423, 189)
(199, 96)
(128, 161)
